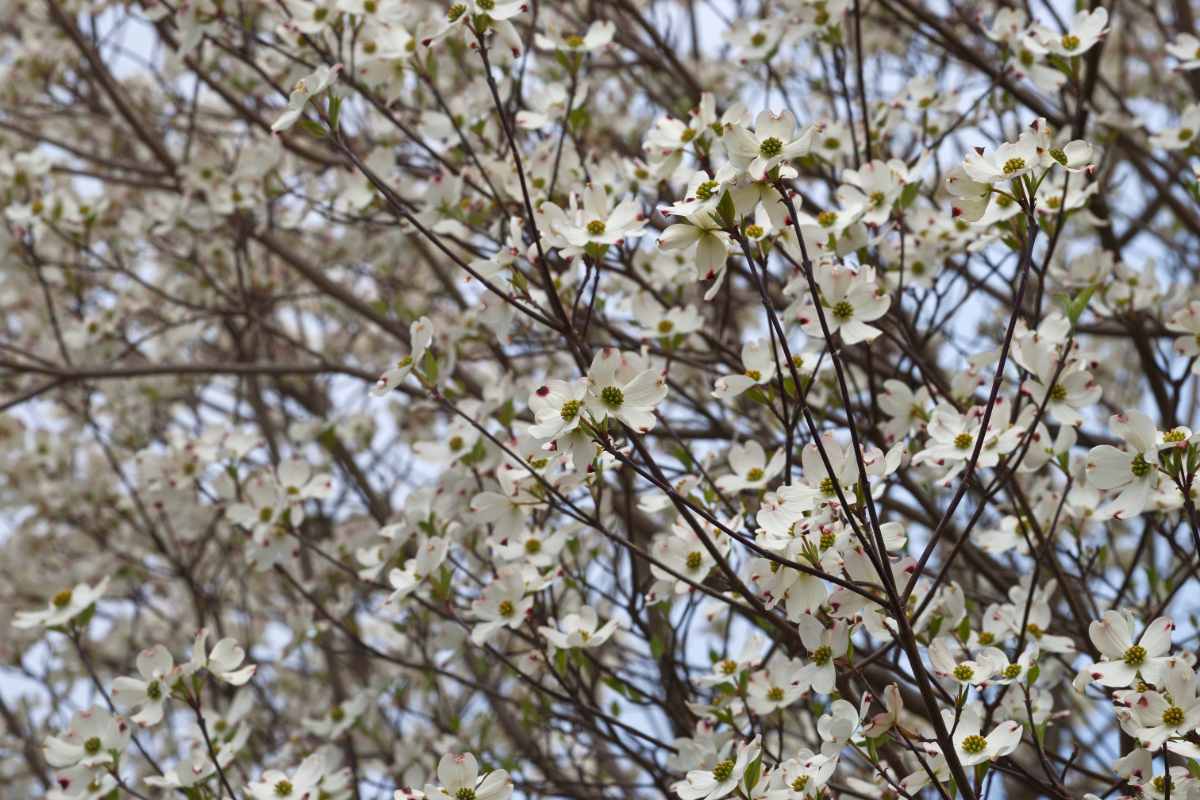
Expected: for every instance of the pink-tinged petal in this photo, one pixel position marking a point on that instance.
(1112, 673)
(1157, 638)
(1111, 634)
(155, 662)
(458, 770)
(1108, 467)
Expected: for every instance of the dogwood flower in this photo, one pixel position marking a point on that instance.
(222, 662)
(301, 784)
(851, 298)
(1086, 29)
(1172, 712)
(459, 776)
(420, 335)
(579, 630)
(557, 408)
(905, 408)
(1186, 321)
(969, 197)
(1131, 472)
(93, 738)
(305, 90)
(773, 141)
(1009, 161)
(590, 223)
(1125, 658)
(781, 682)
(431, 552)
(976, 749)
(502, 604)
(759, 363)
(617, 387)
(151, 692)
(599, 34)
(704, 232)
(1187, 49)
(751, 470)
(723, 778)
(63, 607)
(824, 644)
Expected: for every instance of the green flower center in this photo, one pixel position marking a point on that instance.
(843, 311)
(827, 488)
(1058, 393)
(799, 784)
(706, 190)
(283, 788)
(92, 745)
(506, 608)
(728, 666)
(687, 135)
(612, 396)
(754, 231)
(821, 655)
(1185, 134)
(570, 410)
(832, 143)
(596, 227)
(723, 770)
(694, 560)
(775, 694)
(770, 147)
(666, 326)
(963, 441)
(456, 443)
(826, 218)
(465, 793)
(754, 375)
(1177, 435)
(974, 745)
(1135, 656)
(1173, 716)
(963, 672)
(337, 713)
(1013, 165)
(758, 39)
(154, 690)
(574, 40)
(1139, 466)
(454, 14)
(877, 199)
(1070, 41)
(755, 474)
(533, 546)
(827, 540)
(62, 599)
(1012, 671)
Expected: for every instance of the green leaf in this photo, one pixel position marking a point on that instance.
(314, 129)
(1079, 304)
(964, 629)
(431, 367)
(726, 210)
(753, 772)
(335, 111)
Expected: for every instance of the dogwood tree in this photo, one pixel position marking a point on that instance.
(639, 398)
